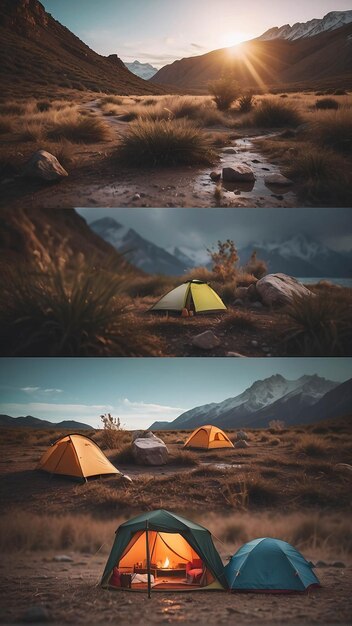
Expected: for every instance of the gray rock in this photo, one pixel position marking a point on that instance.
(241, 444)
(265, 349)
(238, 173)
(277, 179)
(62, 558)
(235, 354)
(321, 564)
(241, 435)
(229, 151)
(125, 479)
(338, 564)
(206, 340)
(45, 166)
(257, 305)
(280, 289)
(36, 614)
(254, 342)
(238, 302)
(142, 434)
(150, 451)
(136, 196)
(215, 176)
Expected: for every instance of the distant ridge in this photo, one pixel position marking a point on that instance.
(35, 422)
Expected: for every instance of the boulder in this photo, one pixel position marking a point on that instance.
(44, 165)
(241, 444)
(206, 340)
(142, 434)
(241, 436)
(150, 451)
(279, 289)
(238, 174)
(277, 179)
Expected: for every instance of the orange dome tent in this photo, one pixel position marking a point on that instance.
(208, 437)
(76, 456)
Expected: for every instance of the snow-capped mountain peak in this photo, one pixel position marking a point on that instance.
(143, 70)
(330, 21)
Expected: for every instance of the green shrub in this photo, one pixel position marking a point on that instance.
(326, 103)
(151, 143)
(224, 91)
(275, 114)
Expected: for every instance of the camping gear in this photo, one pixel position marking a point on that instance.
(76, 456)
(125, 581)
(165, 543)
(208, 437)
(193, 295)
(269, 565)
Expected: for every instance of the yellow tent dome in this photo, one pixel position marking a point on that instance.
(208, 437)
(77, 456)
(193, 295)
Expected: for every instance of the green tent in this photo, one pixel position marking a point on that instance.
(167, 552)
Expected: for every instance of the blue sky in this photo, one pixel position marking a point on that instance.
(140, 391)
(160, 31)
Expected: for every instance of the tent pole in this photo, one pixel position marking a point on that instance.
(148, 557)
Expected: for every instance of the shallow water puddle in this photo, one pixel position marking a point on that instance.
(247, 154)
(223, 465)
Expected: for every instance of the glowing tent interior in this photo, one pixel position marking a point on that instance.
(159, 550)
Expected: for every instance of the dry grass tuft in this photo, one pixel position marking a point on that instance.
(311, 445)
(271, 113)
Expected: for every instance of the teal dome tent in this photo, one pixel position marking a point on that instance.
(269, 565)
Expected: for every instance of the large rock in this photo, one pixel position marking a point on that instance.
(277, 179)
(238, 174)
(143, 434)
(241, 444)
(150, 451)
(278, 289)
(206, 340)
(241, 436)
(45, 166)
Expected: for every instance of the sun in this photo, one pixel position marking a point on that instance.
(232, 39)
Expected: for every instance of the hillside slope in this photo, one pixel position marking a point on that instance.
(322, 60)
(35, 422)
(40, 56)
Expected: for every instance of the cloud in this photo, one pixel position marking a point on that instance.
(40, 390)
(197, 46)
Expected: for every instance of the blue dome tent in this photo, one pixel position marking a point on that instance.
(269, 565)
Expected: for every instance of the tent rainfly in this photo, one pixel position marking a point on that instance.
(209, 438)
(76, 456)
(193, 295)
(160, 550)
(269, 566)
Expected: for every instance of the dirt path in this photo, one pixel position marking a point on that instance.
(70, 594)
(96, 179)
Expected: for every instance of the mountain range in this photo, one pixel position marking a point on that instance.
(298, 256)
(311, 55)
(308, 399)
(143, 70)
(38, 56)
(35, 422)
(330, 21)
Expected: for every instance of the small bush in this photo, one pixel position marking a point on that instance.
(274, 114)
(340, 92)
(311, 445)
(224, 91)
(334, 131)
(158, 143)
(184, 458)
(255, 266)
(43, 105)
(239, 320)
(80, 129)
(245, 103)
(112, 433)
(319, 326)
(326, 103)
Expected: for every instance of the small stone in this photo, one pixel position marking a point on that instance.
(136, 196)
(338, 564)
(238, 173)
(44, 165)
(321, 564)
(256, 161)
(62, 558)
(241, 444)
(265, 349)
(277, 179)
(257, 305)
(206, 340)
(215, 176)
(229, 151)
(254, 342)
(35, 614)
(235, 354)
(126, 479)
(238, 302)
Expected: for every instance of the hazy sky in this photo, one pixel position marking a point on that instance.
(140, 391)
(197, 228)
(160, 31)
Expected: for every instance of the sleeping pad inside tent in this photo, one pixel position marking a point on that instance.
(172, 552)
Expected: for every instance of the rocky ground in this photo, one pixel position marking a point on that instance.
(96, 179)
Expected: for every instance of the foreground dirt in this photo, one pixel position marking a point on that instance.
(71, 595)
